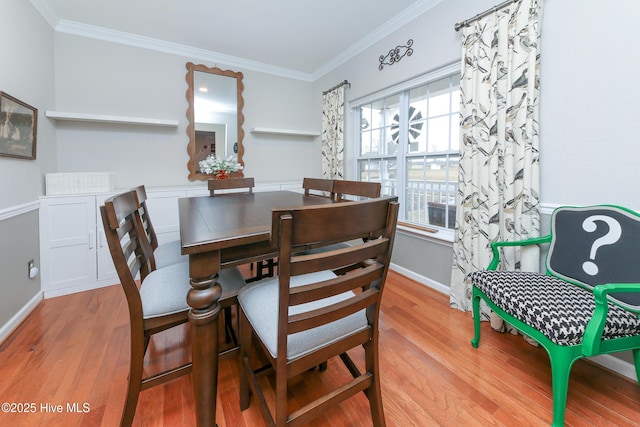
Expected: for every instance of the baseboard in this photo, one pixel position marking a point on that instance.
(21, 315)
(616, 365)
(423, 280)
(74, 289)
(608, 361)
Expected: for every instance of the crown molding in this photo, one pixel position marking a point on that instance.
(43, 9)
(100, 33)
(389, 27)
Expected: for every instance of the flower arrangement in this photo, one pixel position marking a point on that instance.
(221, 168)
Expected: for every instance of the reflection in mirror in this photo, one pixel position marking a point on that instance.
(215, 116)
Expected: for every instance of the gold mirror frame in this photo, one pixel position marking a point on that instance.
(191, 133)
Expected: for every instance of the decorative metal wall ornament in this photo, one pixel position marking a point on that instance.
(396, 54)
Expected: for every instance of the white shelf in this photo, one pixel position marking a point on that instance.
(103, 118)
(284, 131)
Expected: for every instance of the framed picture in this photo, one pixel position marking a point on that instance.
(18, 128)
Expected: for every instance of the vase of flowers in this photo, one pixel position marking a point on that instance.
(220, 168)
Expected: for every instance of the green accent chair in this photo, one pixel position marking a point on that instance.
(588, 301)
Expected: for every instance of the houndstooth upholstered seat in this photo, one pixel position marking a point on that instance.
(558, 309)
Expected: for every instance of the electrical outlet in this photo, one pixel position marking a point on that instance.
(30, 265)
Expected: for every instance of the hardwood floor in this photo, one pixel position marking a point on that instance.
(73, 351)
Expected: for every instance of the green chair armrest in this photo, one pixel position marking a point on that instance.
(595, 327)
(496, 245)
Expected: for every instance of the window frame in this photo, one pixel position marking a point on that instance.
(402, 156)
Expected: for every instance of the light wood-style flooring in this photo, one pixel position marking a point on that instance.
(68, 362)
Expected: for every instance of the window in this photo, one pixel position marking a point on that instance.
(408, 140)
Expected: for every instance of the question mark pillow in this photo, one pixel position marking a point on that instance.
(596, 245)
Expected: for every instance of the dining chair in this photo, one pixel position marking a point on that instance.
(345, 189)
(159, 303)
(170, 253)
(165, 254)
(264, 268)
(319, 306)
(235, 184)
(318, 187)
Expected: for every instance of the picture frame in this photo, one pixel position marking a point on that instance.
(18, 128)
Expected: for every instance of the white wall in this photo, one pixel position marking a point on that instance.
(589, 126)
(101, 77)
(26, 73)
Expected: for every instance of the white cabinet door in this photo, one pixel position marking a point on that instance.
(68, 243)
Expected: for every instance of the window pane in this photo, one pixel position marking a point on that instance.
(390, 145)
(392, 108)
(369, 170)
(438, 135)
(417, 114)
(417, 137)
(439, 97)
(389, 181)
(375, 142)
(455, 132)
(455, 101)
(377, 109)
(365, 143)
(392, 122)
(365, 117)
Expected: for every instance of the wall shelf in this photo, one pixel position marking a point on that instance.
(272, 131)
(103, 118)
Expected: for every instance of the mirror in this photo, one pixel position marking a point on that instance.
(215, 117)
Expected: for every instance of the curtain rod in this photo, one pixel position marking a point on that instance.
(483, 14)
(336, 87)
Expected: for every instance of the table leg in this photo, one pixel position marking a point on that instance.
(203, 317)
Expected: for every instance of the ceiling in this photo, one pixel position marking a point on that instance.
(303, 38)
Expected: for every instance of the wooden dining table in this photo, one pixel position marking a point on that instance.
(217, 232)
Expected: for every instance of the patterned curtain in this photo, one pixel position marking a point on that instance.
(499, 162)
(332, 134)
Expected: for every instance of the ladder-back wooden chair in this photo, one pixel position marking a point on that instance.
(344, 189)
(235, 184)
(587, 303)
(320, 305)
(166, 254)
(264, 268)
(159, 303)
(318, 187)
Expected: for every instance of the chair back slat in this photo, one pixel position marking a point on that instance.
(330, 313)
(319, 223)
(152, 237)
(230, 184)
(318, 187)
(343, 257)
(357, 279)
(345, 189)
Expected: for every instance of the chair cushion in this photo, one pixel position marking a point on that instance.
(168, 254)
(558, 309)
(259, 301)
(164, 290)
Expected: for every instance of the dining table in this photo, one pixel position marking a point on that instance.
(217, 232)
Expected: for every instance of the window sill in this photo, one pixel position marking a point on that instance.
(438, 235)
